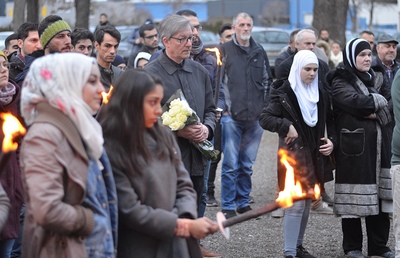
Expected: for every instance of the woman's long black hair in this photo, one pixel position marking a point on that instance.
(123, 125)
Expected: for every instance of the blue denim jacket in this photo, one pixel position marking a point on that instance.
(101, 198)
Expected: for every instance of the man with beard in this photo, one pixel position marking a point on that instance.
(149, 38)
(28, 42)
(54, 36)
(106, 43)
(248, 79)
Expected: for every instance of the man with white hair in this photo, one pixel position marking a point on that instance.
(248, 79)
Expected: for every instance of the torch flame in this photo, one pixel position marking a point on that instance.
(106, 96)
(12, 128)
(292, 189)
(216, 50)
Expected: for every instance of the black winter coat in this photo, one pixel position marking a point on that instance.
(357, 153)
(284, 111)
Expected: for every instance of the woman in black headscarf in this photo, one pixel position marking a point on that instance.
(361, 112)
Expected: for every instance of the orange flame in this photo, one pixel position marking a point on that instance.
(106, 96)
(11, 129)
(216, 50)
(292, 189)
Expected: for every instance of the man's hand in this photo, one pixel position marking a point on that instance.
(196, 133)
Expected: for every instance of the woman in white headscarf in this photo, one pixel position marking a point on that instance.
(298, 112)
(71, 206)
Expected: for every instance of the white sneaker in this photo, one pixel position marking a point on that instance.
(322, 208)
(278, 213)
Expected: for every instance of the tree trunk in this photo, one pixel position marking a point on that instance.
(335, 22)
(19, 13)
(371, 15)
(82, 8)
(33, 11)
(354, 16)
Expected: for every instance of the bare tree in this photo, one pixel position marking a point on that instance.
(353, 12)
(371, 5)
(19, 13)
(274, 12)
(33, 11)
(82, 8)
(331, 15)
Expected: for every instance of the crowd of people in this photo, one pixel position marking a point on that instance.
(96, 178)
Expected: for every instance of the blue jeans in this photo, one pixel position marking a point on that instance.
(6, 247)
(203, 204)
(294, 226)
(240, 142)
(16, 250)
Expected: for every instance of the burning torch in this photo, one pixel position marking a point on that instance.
(13, 132)
(290, 194)
(220, 67)
(106, 96)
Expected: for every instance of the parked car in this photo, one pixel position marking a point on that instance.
(125, 47)
(272, 40)
(209, 39)
(396, 36)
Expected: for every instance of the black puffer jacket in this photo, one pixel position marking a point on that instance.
(16, 66)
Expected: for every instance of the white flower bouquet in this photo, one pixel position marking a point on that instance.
(177, 114)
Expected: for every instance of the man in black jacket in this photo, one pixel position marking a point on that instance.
(248, 79)
(28, 42)
(106, 43)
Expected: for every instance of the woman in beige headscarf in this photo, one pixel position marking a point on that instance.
(71, 206)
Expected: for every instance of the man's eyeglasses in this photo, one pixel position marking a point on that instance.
(184, 40)
(198, 27)
(151, 36)
(5, 65)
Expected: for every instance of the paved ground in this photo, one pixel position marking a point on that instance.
(264, 237)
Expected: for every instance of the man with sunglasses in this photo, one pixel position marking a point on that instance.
(149, 38)
(178, 71)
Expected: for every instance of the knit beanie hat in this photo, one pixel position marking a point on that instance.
(3, 55)
(52, 30)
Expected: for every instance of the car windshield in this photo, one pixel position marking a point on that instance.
(207, 36)
(273, 37)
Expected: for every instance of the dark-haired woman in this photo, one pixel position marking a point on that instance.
(157, 202)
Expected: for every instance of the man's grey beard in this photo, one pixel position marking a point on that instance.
(245, 38)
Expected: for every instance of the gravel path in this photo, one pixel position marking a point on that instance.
(264, 237)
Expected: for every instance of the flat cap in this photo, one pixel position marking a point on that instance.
(386, 38)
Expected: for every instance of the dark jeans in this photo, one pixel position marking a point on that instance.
(16, 250)
(377, 226)
(198, 185)
(214, 163)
